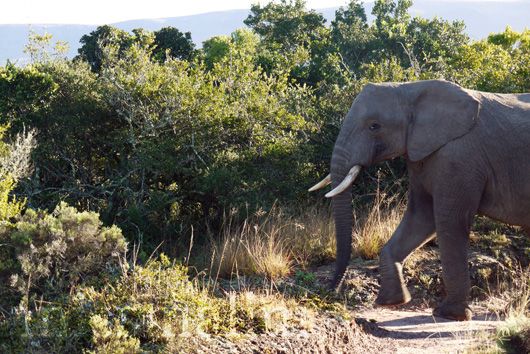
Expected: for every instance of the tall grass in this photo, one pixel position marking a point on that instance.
(270, 243)
(374, 225)
(254, 248)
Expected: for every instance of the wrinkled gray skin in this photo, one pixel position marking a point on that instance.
(467, 153)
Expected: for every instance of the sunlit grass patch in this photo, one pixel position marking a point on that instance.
(271, 243)
(374, 225)
(511, 301)
(257, 247)
(158, 306)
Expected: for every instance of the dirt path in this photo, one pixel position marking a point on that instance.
(377, 330)
(419, 332)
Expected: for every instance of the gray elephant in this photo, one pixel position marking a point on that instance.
(467, 153)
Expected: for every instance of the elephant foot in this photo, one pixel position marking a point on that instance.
(393, 290)
(458, 311)
(386, 298)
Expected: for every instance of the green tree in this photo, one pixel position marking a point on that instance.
(292, 38)
(91, 44)
(351, 34)
(23, 91)
(391, 19)
(395, 45)
(172, 42)
(215, 49)
(499, 63)
(431, 43)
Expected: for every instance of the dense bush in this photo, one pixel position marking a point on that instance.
(43, 258)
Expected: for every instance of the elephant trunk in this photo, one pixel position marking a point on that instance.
(343, 215)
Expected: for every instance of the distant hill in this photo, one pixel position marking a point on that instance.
(481, 18)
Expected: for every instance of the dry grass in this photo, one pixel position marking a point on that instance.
(312, 237)
(254, 248)
(270, 243)
(374, 225)
(512, 297)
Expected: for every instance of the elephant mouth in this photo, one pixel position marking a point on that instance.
(346, 182)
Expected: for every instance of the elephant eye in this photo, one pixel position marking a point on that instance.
(375, 126)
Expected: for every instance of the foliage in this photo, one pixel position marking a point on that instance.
(171, 140)
(23, 91)
(170, 42)
(14, 165)
(111, 338)
(497, 64)
(48, 254)
(91, 50)
(44, 257)
(292, 38)
(138, 296)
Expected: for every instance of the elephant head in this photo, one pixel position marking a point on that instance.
(386, 121)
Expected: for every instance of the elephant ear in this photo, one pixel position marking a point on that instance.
(441, 112)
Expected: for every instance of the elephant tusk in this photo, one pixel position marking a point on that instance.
(321, 184)
(348, 180)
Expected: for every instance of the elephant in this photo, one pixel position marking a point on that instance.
(467, 152)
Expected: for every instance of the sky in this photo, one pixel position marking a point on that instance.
(97, 12)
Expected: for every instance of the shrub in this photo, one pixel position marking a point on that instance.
(161, 307)
(111, 338)
(155, 303)
(48, 254)
(14, 165)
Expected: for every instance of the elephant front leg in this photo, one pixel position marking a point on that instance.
(415, 229)
(455, 204)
